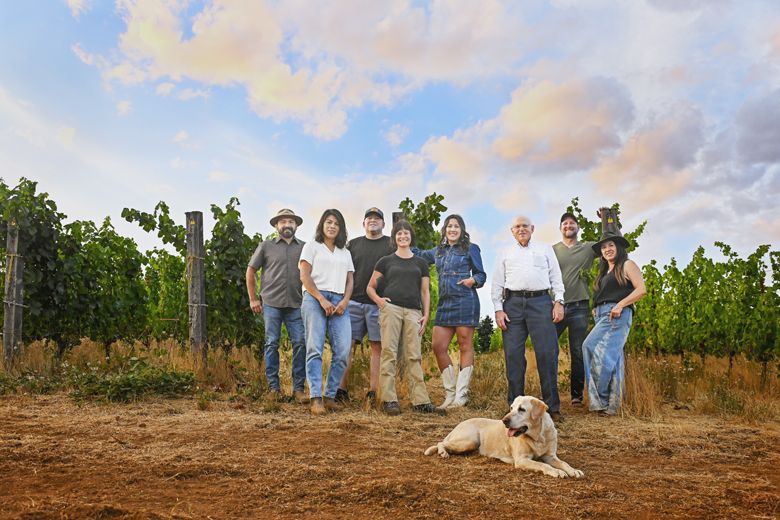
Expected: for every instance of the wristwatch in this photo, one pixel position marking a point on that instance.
(559, 301)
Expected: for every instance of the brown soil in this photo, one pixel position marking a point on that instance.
(168, 459)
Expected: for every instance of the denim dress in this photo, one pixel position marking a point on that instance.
(458, 304)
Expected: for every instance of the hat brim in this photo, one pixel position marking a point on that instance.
(617, 239)
(298, 220)
(374, 213)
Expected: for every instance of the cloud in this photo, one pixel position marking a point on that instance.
(758, 129)
(124, 107)
(656, 163)
(66, 134)
(181, 136)
(164, 89)
(395, 135)
(77, 7)
(562, 126)
(188, 94)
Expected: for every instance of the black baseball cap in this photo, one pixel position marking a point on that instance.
(374, 211)
(570, 215)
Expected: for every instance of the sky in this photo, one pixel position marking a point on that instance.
(669, 107)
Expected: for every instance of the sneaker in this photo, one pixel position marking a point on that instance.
(317, 408)
(331, 404)
(429, 408)
(300, 397)
(391, 408)
(342, 396)
(576, 401)
(557, 417)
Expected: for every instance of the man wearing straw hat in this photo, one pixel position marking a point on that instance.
(280, 300)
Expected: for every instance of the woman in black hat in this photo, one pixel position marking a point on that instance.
(618, 286)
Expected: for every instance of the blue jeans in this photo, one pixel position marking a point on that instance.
(604, 360)
(339, 332)
(575, 317)
(273, 318)
(531, 316)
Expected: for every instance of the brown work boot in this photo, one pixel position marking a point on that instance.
(316, 407)
(300, 397)
(331, 405)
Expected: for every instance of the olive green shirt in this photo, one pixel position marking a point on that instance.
(574, 262)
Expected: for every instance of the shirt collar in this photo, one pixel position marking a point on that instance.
(280, 239)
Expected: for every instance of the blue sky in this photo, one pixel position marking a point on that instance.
(670, 107)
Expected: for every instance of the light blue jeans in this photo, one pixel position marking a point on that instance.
(274, 317)
(604, 361)
(339, 332)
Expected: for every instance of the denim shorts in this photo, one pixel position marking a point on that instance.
(365, 319)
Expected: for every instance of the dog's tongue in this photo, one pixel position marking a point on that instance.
(511, 432)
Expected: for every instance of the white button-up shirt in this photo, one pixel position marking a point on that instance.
(531, 268)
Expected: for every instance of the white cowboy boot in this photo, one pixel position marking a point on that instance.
(462, 389)
(448, 379)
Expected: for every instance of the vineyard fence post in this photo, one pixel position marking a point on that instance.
(13, 298)
(196, 288)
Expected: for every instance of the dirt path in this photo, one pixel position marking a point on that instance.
(168, 459)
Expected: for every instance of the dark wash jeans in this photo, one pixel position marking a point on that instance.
(531, 316)
(575, 317)
(274, 317)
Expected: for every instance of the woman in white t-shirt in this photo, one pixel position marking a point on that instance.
(326, 273)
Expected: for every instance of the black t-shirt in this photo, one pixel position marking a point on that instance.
(365, 254)
(402, 277)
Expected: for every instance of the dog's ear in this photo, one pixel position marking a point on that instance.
(537, 409)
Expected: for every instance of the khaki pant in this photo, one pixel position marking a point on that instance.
(399, 325)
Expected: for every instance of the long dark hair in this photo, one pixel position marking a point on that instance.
(620, 259)
(398, 226)
(464, 241)
(341, 238)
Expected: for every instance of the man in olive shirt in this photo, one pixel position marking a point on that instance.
(364, 314)
(575, 259)
(280, 300)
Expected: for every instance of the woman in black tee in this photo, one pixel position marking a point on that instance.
(403, 314)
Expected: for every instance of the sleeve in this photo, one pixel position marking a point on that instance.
(307, 253)
(381, 266)
(350, 263)
(497, 285)
(477, 270)
(423, 265)
(556, 279)
(258, 258)
(429, 255)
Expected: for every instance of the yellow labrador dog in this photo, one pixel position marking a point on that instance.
(524, 434)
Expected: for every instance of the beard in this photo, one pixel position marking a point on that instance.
(287, 232)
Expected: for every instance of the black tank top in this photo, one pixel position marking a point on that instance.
(610, 291)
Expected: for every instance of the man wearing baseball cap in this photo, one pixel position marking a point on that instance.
(575, 259)
(366, 252)
(280, 300)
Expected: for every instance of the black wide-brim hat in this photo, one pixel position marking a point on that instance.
(618, 239)
(286, 213)
(610, 231)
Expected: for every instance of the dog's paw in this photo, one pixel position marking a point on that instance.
(557, 473)
(443, 454)
(576, 473)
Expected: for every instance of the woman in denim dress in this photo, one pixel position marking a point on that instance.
(459, 267)
(618, 286)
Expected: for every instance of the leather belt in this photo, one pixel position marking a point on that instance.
(526, 294)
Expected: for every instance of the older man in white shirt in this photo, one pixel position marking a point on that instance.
(525, 275)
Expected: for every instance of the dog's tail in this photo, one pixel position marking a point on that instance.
(433, 449)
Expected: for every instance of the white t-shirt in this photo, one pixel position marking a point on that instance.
(328, 269)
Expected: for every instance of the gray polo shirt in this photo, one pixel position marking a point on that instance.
(573, 261)
(280, 280)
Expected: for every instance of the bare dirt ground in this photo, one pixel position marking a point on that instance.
(168, 459)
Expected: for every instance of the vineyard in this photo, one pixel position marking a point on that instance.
(103, 322)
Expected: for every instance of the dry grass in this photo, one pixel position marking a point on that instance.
(651, 382)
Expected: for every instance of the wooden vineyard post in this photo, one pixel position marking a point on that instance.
(14, 296)
(398, 215)
(196, 285)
